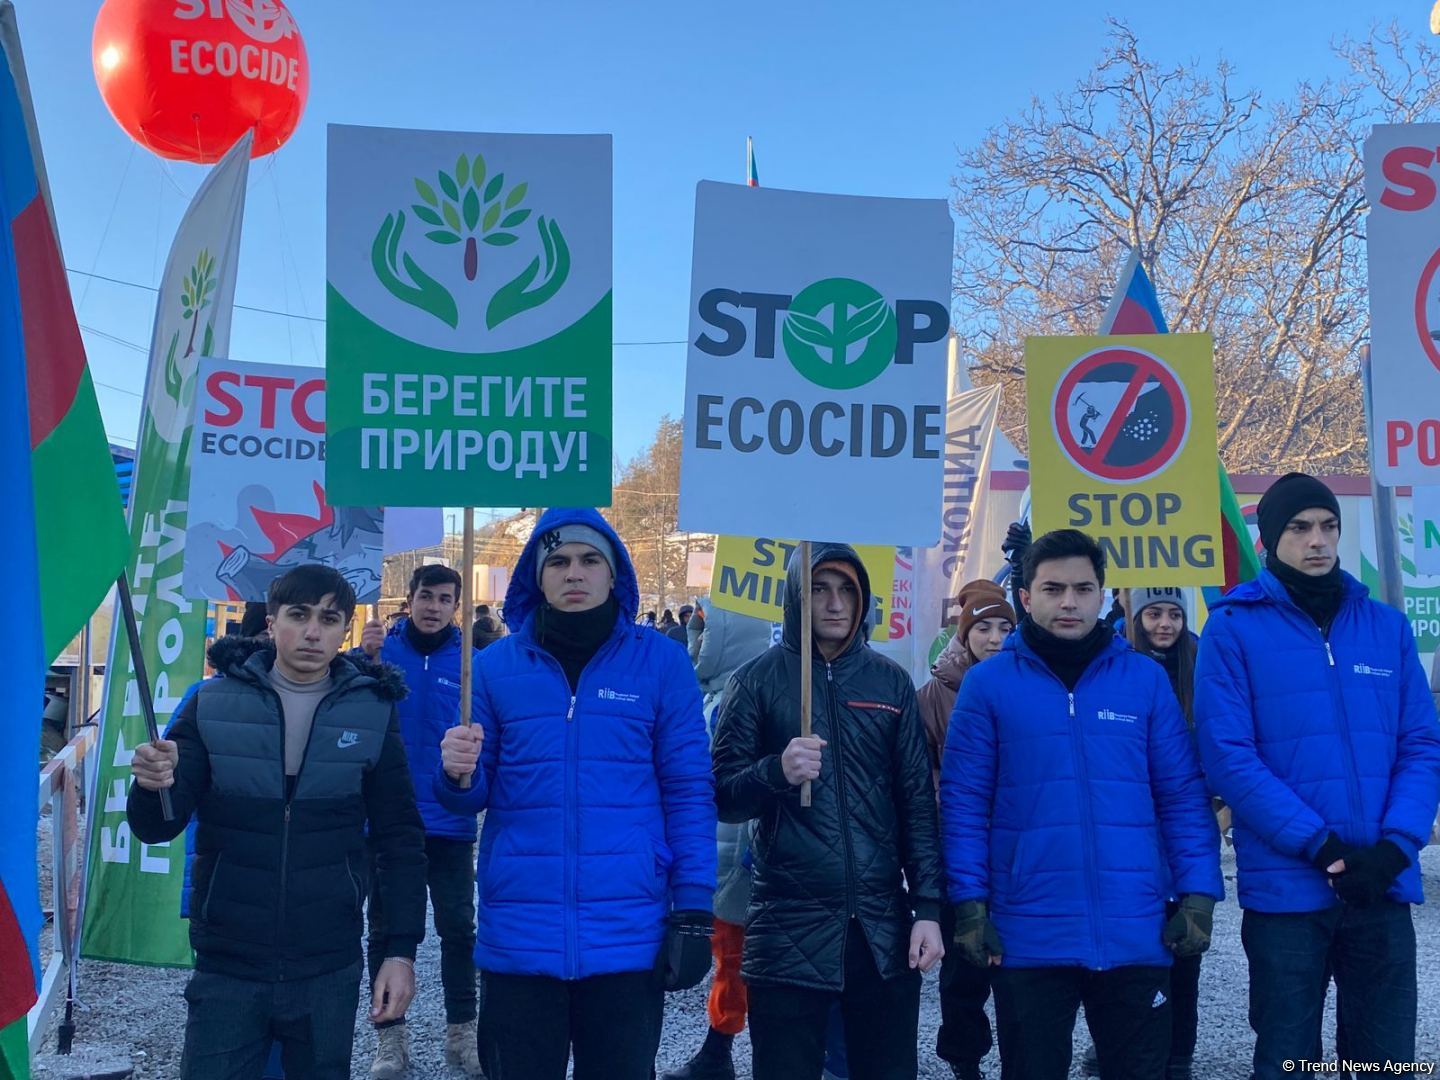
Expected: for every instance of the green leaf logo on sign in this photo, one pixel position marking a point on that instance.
(828, 322)
(468, 206)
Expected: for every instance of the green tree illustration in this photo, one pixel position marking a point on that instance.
(469, 207)
(195, 292)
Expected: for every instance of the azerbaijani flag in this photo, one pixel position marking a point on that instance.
(752, 177)
(1135, 309)
(65, 541)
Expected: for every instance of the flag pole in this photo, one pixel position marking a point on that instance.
(806, 647)
(467, 645)
(142, 679)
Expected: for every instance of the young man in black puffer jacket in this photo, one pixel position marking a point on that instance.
(846, 896)
(283, 762)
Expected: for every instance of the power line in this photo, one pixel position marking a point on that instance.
(308, 318)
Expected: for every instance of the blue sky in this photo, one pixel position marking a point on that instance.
(840, 95)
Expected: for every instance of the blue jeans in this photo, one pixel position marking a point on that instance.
(1371, 953)
(231, 1022)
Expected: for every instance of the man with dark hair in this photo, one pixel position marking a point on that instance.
(1073, 809)
(597, 863)
(426, 646)
(1317, 730)
(285, 762)
(831, 919)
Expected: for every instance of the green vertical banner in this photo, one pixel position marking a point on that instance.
(468, 304)
(132, 897)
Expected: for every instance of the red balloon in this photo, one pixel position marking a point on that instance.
(186, 78)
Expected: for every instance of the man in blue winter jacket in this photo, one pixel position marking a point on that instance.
(1316, 727)
(596, 870)
(1073, 809)
(425, 645)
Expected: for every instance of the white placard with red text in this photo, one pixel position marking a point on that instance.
(1402, 186)
(257, 486)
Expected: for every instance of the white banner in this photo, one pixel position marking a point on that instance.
(1425, 526)
(132, 900)
(1403, 245)
(257, 487)
(815, 386)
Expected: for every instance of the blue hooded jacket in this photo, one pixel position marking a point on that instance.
(1076, 816)
(599, 806)
(1303, 736)
(430, 709)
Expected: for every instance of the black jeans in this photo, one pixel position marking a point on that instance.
(450, 874)
(788, 1023)
(1127, 1010)
(964, 1037)
(1184, 1006)
(1370, 951)
(529, 1024)
(231, 1023)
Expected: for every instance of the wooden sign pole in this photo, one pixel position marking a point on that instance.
(467, 605)
(806, 647)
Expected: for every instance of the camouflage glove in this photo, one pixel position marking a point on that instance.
(1188, 931)
(975, 935)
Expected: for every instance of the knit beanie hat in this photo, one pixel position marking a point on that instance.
(982, 599)
(1140, 599)
(1292, 494)
(576, 533)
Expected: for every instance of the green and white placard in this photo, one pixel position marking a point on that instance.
(468, 305)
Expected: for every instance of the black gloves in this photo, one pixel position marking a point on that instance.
(684, 958)
(975, 935)
(1187, 933)
(1333, 850)
(1369, 873)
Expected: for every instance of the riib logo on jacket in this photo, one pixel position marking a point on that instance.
(606, 694)
(1111, 714)
(1378, 672)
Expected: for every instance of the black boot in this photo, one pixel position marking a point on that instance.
(711, 1061)
(1178, 1068)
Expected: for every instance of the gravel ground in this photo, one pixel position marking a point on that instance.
(139, 1012)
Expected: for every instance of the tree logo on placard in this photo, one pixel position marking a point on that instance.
(1120, 414)
(839, 333)
(470, 208)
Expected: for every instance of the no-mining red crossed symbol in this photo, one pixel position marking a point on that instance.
(1120, 414)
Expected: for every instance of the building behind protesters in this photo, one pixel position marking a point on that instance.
(1317, 729)
(986, 620)
(426, 647)
(285, 762)
(830, 917)
(1073, 806)
(596, 868)
(729, 640)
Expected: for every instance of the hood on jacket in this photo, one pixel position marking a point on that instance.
(826, 552)
(239, 657)
(524, 597)
(951, 664)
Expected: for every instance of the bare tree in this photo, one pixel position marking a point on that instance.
(1249, 216)
(645, 512)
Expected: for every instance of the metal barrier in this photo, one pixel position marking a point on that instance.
(62, 785)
